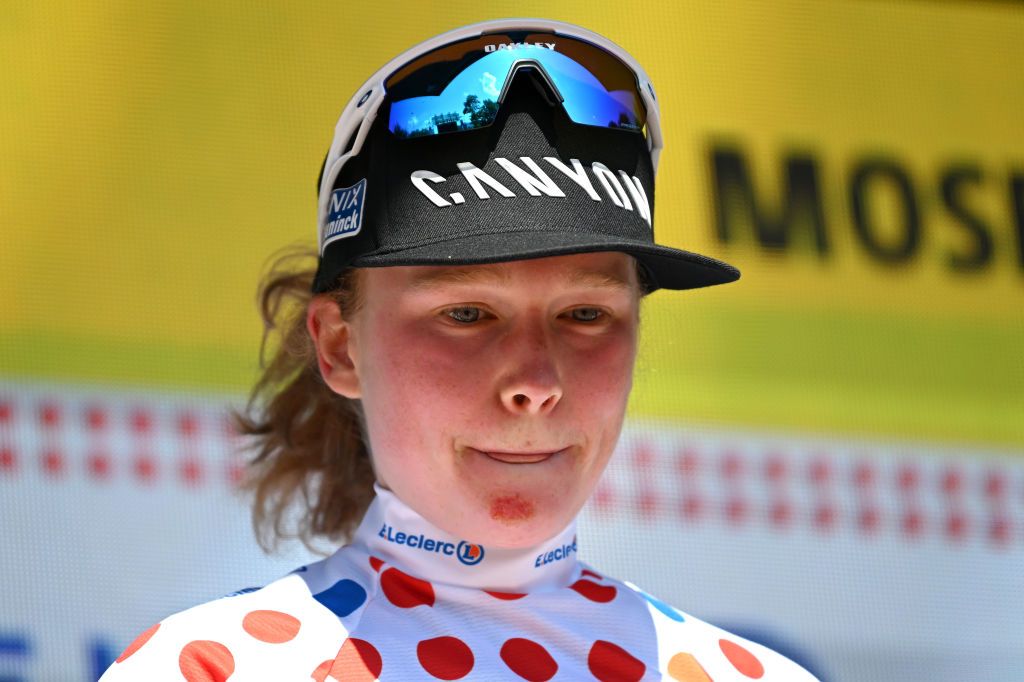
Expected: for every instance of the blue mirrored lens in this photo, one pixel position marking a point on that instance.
(470, 100)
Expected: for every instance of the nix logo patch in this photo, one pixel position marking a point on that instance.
(344, 214)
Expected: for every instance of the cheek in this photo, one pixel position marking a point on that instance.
(605, 375)
(413, 383)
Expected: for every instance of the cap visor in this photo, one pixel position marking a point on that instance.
(669, 268)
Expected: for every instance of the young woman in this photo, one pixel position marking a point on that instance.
(453, 380)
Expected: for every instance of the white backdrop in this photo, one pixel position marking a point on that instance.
(862, 560)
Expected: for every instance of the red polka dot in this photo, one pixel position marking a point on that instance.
(376, 563)
(320, 673)
(357, 661)
(273, 627)
(144, 468)
(206, 661)
(594, 592)
(405, 591)
(611, 663)
(137, 644)
(528, 659)
(446, 658)
(741, 659)
(683, 667)
(507, 596)
(588, 573)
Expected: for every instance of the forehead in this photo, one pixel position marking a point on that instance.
(590, 270)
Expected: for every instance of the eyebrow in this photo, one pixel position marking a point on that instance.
(440, 277)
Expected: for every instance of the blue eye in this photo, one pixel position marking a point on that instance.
(465, 314)
(586, 314)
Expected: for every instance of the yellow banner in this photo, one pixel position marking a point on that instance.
(860, 161)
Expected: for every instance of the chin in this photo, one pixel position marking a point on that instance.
(515, 520)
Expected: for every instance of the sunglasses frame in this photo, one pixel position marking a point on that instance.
(359, 114)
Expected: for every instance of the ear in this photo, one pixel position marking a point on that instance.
(333, 338)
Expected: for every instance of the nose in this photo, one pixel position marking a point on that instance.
(532, 384)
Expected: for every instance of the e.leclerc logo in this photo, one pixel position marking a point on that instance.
(466, 552)
(557, 554)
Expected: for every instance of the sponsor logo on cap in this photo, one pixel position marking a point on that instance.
(466, 552)
(623, 190)
(344, 213)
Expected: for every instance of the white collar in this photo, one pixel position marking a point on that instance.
(393, 532)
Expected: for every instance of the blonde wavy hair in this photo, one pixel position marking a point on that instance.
(308, 443)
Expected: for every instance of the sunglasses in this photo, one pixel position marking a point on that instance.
(460, 86)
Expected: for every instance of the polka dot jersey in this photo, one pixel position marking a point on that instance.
(407, 601)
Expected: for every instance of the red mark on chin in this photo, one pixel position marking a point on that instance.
(511, 508)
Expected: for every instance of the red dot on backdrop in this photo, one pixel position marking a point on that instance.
(995, 484)
(693, 506)
(732, 464)
(49, 415)
(736, 510)
(8, 462)
(188, 424)
(907, 477)
(191, 470)
(145, 468)
(868, 519)
(775, 467)
(820, 470)
(141, 421)
(863, 475)
(95, 418)
(99, 465)
(689, 461)
(781, 513)
(53, 462)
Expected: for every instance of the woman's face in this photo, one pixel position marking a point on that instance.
(493, 394)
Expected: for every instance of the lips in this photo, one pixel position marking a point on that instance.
(519, 457)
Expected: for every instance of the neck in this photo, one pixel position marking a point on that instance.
(394, 533)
